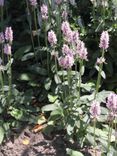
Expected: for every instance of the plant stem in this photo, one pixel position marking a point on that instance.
(115, 132)
(36, 27)
(10, 79)
(46, 47)
(69, 79)
(109, 135)
(30, 27)
(99, 76)
(94, 136)
(2, 83)
(2, 14)
(80, 78)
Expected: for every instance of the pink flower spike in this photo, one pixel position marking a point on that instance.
(44, 12)
(65, 27)
(58, 2)
(52, 38)
(2, 3)
(9, 34)
(112, 102)
(7, 49)
(2, 38)
(33, 2)
(81, 51)
(95, 109)
(75, 36)
(66, 62)
(64, 15)
(104, 40)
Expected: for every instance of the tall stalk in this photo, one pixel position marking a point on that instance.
(80, 78)
(36, 26)
(46, 44)
(2, 21)
(99, 76)
(109, 135)
(95, 136)
(30, 27)
(2, 82)
(10, 78)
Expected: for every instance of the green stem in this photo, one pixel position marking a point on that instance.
(69, 79)
(95, 136)
(2, 82)
(80, 78)
(109, 136)
(59, 26)
(46, 47)
(99, 76)
(30, 27)
(36, 27)
(10, 79)
(2, 20)
(115, 132)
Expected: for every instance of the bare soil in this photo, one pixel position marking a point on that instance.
(38, 145)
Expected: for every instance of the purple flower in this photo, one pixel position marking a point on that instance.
(2, 3)
(58, 2)
(100, 60)
(66, 50)
(52, 38)
(7, 49)
(66, 62)
(44, 12)
(112, 102)
(9, 34)
(75, 35)
(64, 15)
(81, 50)
(65, 27)
(2, 37)
(33, 2)
(104, 40)
(95, 109)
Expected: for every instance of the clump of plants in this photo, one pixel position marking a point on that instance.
(60, 52)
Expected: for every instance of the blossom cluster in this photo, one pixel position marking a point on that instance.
(95, 109)
(44, 12)
(2, 3)
(112, 103)
(104, 40)
(52, 38)
(33, 2)
(6, 38)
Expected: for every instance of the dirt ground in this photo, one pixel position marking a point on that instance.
(33, 144)
(27, 143)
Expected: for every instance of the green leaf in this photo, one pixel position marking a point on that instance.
(38, 70)
(50, 107)
(21, 51)
(1, 134)
(27, 56)
(102, 72)
(52, 98)
(101, 96)
(71, 152)
(48, 82)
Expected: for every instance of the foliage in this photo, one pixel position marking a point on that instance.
(38, 75)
